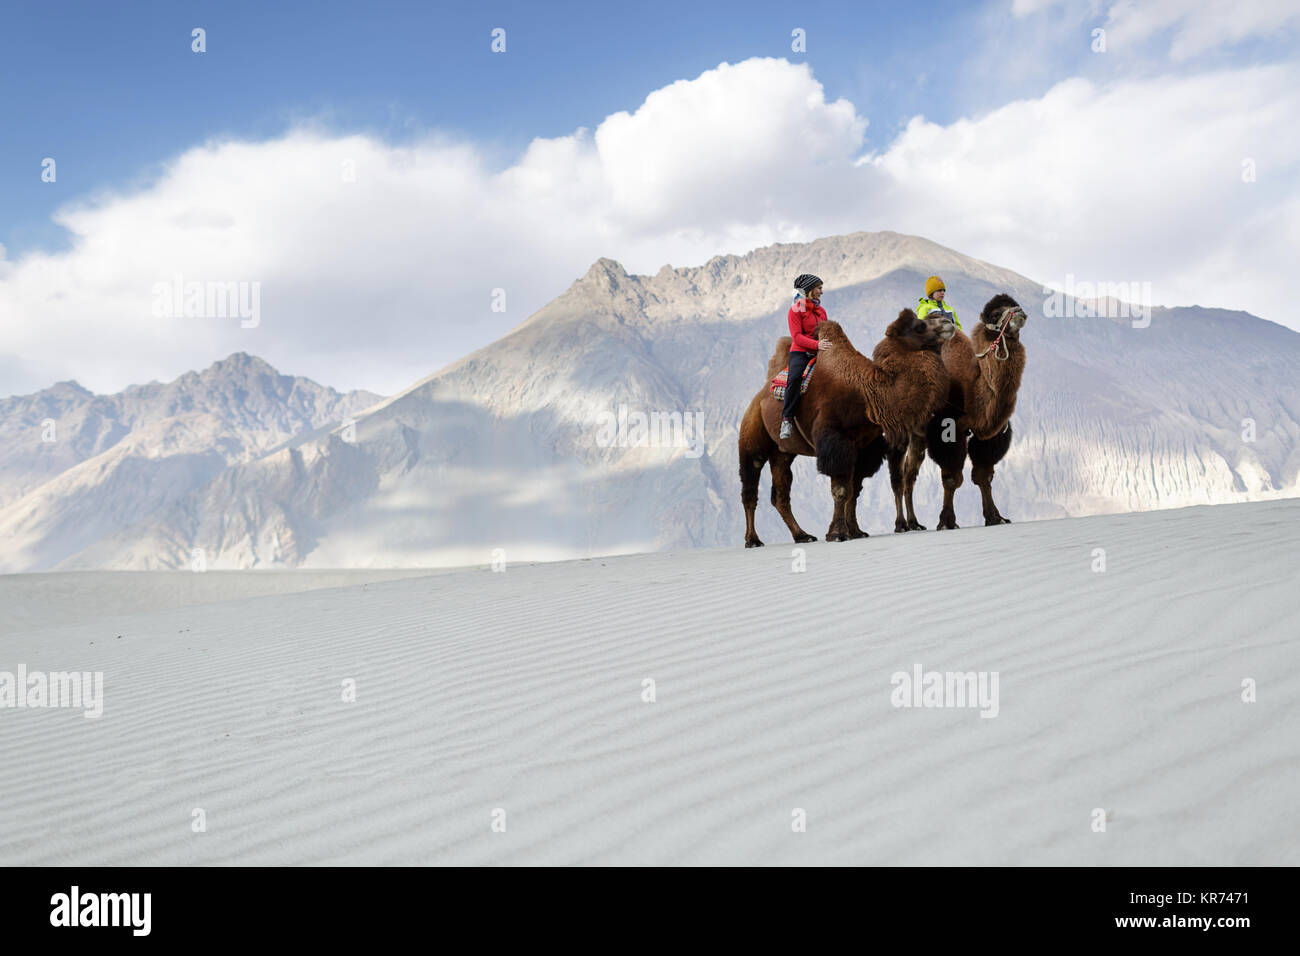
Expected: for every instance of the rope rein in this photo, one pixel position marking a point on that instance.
(803, 434)
(1001, 351)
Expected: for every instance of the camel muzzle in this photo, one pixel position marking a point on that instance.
(1013, 320)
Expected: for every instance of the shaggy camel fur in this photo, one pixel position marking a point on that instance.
(851, 403)
(975, 422)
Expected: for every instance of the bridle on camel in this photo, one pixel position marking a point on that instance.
(999, 347)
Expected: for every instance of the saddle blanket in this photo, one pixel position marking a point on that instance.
(782, 379)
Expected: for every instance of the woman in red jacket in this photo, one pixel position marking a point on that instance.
(804, 315)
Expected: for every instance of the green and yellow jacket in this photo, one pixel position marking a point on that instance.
(924, 305)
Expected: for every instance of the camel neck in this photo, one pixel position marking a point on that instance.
(1004, 386)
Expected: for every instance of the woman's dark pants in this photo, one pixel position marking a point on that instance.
(794, 383)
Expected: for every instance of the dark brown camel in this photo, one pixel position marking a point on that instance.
(975, 422)
(850, 404)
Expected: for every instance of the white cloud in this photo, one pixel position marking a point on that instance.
(377, 282)
(1201, 26)
(1024, 8)
(703, 152)
(1195, 27)
(1141, 180)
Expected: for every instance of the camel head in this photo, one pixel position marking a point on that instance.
(942, 326)
(916, 335)
(1002, 310)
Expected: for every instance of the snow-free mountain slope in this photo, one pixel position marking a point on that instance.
(77, 467)
(509, 448)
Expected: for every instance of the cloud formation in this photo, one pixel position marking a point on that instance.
(377, 263)
(1193, 28)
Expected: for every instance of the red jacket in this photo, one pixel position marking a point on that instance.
(803, 318)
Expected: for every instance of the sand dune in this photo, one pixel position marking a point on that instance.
(522, 691)
(33, 602)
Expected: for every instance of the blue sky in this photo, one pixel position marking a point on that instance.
(651, 134)
(111, 89)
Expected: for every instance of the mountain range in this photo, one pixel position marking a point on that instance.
(510, 455)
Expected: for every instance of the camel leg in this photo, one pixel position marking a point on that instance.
(839, 529)
(754, 447)
(983, 456)
(983, 478)
(947, 515)
(837, 459)
(782, 479)
(851, 506)
(911, 468)
(751, 469)
(895, 458)
(946, 446)
(865, 465)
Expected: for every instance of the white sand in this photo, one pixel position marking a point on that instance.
(38, 601)
(522, 690)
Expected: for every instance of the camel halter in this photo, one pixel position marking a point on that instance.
(1001, 351)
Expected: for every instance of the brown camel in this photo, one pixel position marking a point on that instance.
(985, 369)
(851, 403)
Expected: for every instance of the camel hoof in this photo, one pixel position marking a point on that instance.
(753, 543)
(915, 525)
(837, 536)
(900, 527)
(804, 538)
(989, 522)
(946, 525)
(858, 534)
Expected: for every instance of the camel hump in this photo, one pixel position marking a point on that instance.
(780, 358)
(830, 331)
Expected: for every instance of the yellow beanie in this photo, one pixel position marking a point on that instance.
(933, 285)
